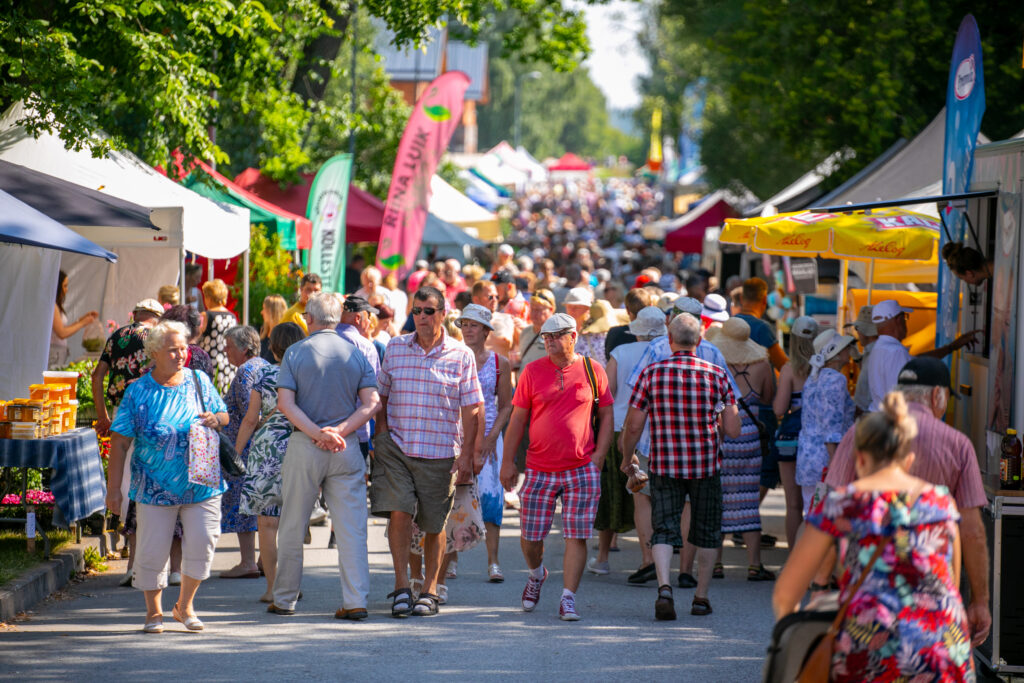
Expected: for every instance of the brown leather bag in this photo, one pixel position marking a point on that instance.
(819, 663)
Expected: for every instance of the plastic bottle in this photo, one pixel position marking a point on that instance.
(1010, 461)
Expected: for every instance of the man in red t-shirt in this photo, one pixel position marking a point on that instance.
(563, 460)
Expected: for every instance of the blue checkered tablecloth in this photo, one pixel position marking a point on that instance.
(77, 480)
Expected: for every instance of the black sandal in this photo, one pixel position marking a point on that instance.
(700, 607)
(757, 572)
(401, 606)
(426, 605)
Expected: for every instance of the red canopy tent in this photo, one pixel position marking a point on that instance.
(363, 218)
(686, 233)
(570, 162)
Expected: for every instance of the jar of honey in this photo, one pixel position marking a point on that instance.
(39, 392)
(73, 410)
(5, 429)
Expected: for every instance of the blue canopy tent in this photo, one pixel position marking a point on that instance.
(30, 246)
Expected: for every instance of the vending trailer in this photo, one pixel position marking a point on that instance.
(991, 383)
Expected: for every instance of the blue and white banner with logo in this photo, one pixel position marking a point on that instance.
(965, 105)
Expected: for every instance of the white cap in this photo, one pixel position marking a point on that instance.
(557, 323)
(716, 308)
(836, 344)
(506, 249)
(581, 296)
(650, 322)
(887, 310)
(805, 326)
(477, 314)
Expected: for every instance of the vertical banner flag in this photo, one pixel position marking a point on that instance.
(433, 121)
(654, 155)
(965, 105)
(327, 207)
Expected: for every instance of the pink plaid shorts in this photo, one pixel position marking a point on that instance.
(580, 490)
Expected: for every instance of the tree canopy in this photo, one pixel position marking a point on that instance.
(229, 78)
(789, 83)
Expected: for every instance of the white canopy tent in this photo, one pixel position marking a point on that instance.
(450, 205)
(520, 161)
(185, 221)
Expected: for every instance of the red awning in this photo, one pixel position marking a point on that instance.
(363, 218)
(688, 235)
(570, 162)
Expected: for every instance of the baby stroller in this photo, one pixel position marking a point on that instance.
(794, 638)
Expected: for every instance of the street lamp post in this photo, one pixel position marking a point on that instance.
(516, 105)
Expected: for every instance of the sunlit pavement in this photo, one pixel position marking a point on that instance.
(93, 631)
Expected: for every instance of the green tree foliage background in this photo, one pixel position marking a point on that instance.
(789, 83)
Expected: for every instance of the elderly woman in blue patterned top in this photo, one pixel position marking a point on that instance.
(157, 411)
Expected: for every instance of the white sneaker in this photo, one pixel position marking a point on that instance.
(126, 580)
(319, 516)
(599, 568)
(442, 594)
(174, 579)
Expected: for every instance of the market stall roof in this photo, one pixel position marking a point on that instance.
(517, 159)
(686, 233)
(22, 224)
(901, 171)
(363, 216)
(185, 219)
(442, 233)
(68, 203)
(570, 162)
(481, 192)
(296, 230)
(450, 205)
(499, 172)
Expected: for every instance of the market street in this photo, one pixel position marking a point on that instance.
(93, 633)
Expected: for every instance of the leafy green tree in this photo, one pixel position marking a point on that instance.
(790, 83)
(159, 75)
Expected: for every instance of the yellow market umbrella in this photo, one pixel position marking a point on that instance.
(891, 235)
(858, 235)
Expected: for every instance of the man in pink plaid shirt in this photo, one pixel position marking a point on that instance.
(688, 401)
(425, 435)
(564, 457)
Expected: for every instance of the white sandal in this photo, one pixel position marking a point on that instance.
(154, 626)
(192, 623)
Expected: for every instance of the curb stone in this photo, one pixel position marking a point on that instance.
(39, 582)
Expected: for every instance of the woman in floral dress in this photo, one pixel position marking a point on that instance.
(907, 621)
(261, 484)
(243, 349)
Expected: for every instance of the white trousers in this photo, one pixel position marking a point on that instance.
(200, 523)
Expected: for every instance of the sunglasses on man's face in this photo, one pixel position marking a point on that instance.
(416, 310)
(551, 336)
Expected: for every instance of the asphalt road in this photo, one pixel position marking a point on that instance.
(92, 631)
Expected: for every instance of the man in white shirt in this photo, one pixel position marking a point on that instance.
(889, 355)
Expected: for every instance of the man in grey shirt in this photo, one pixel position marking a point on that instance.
(328, 390)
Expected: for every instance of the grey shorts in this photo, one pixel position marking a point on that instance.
(419, 487)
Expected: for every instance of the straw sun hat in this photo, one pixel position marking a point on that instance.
(733, 340)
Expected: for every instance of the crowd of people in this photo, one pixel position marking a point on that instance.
(583, 368)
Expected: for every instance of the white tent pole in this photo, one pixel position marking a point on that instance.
(871, 278)
(245, 287)
(844, 278)
(181, 275)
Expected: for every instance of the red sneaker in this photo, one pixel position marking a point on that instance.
(531, 594)
(567, 609)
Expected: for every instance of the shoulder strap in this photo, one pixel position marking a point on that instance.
(532, 342)
(591, 378)
(497, 373)
(199, 389)
(834, 628)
